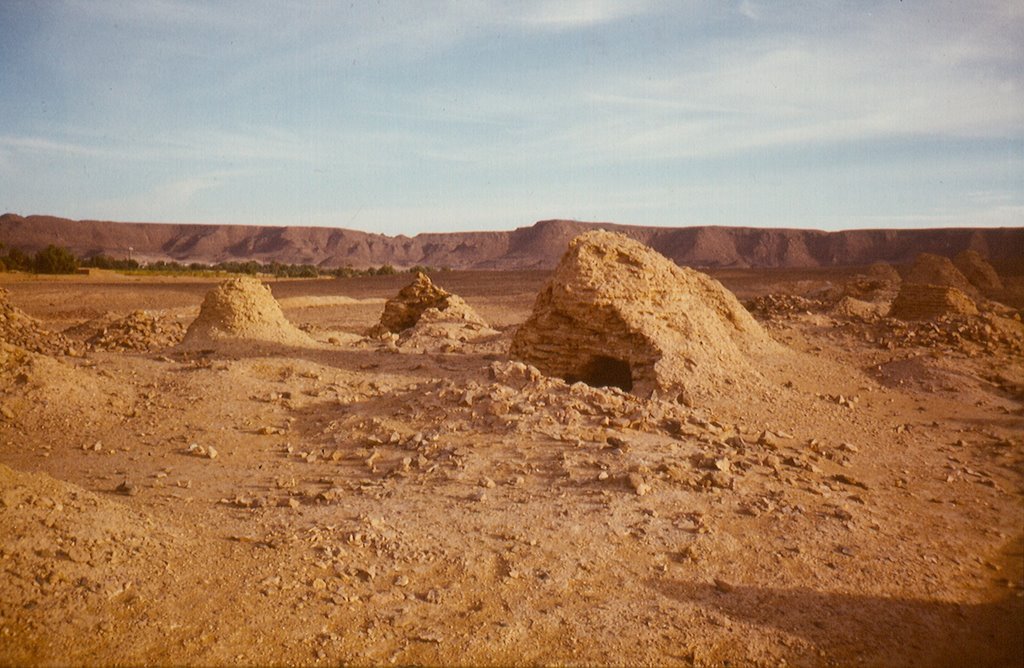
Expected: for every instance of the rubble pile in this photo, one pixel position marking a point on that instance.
(423, 315)
(987, 333)
(138, 331)
(770, 306)
(20, 329)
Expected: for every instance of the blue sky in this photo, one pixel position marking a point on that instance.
(415, 116)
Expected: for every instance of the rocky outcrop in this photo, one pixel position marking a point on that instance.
(616, 313)
(926, 302)
(240, 310)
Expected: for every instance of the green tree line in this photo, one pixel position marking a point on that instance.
(59, 260)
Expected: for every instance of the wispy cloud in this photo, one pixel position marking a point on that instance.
(749, 10)
(174, 197)
(573, 14)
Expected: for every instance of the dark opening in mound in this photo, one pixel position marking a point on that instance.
(603, 371)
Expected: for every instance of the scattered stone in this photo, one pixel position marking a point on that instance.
(127, 488)
(197, 450)
(638, 484)
(848, 480)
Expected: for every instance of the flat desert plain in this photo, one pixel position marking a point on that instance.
(332, 498)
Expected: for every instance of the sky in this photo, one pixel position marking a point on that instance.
(425, 116)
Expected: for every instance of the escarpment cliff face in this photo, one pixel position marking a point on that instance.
(539, 246)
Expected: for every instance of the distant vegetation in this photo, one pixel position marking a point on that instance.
(50, 260)
(59, 260)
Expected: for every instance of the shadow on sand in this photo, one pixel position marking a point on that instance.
(872, 630)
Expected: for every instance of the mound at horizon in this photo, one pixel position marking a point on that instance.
(978, 272)
(931, 269)
(616, 313)
(242, 309)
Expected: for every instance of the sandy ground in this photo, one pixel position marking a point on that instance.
(369, 505)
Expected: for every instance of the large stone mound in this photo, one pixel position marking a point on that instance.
(408, 307)
(978, 271)
(616, 313)
(927, 302)
(929, 269)
(240, 310)
(20, 329)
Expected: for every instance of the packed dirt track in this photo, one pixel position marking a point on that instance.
(278, 477)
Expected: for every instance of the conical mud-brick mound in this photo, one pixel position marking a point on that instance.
(927, 302)
(978, 271)
(929, 269)
(405, 309)
(616, 313)
(242, 309)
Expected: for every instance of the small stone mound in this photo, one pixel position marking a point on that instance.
(20, 329)
(978, 271)
(242, 309)
(926, 302)
(408, 307)
(140, 331)
(929, 269)
(851, 307)
(883, 271)
(618, 314)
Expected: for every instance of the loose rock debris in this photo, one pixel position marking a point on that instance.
(455, 505)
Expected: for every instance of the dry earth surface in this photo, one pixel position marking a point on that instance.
(388, 500)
